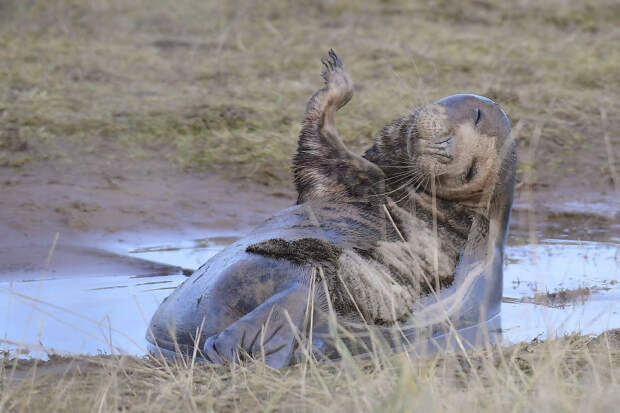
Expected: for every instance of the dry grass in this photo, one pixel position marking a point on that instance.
(207, 84)
(212, 83)
(568, 374)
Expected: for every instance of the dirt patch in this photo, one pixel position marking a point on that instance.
(57, 365)
(55, 215)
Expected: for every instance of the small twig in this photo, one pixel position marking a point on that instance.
(610, 152)
(50, 254)
(529, 180)
(393, 223)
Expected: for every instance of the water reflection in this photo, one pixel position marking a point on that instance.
(87, 315)
(186, 254)
(560, 286)
(93, 314)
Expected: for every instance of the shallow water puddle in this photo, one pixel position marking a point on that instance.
(96, 313)
(554, 287)
(559, 287)
(185, 254)
(81, 315)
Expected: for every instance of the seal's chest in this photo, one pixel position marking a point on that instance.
(382, 285)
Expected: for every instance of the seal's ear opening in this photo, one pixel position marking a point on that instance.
(477, 116)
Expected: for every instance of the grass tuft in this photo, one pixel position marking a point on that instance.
(572, 373)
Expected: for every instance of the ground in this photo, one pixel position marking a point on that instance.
(573, 373)
(116, 117)
(122, 118)
(221, 84)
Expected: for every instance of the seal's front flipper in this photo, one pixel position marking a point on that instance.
(265, 332)
(324, 167)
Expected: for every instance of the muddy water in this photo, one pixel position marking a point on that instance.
(552, 287)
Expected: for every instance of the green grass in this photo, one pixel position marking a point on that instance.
(208, 84)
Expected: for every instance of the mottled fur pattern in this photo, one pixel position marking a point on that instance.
(433, 208)
(378, 282)
(301, 251)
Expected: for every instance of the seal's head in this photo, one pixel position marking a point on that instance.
(459, 140)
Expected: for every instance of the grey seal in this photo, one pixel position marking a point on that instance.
(407, 236)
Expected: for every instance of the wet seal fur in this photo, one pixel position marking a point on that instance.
(377, 240)
(302, 251)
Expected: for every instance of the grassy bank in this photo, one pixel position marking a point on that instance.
(575, 373)
(209, 84)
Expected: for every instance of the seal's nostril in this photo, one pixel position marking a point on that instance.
(478, 116)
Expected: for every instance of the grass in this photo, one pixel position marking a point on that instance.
(572, 373)
(209, 84)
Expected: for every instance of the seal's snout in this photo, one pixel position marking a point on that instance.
(442, 150)
(447, 141)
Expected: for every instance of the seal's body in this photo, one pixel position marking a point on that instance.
(375, 240)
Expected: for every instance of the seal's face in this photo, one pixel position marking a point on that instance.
(458, 140)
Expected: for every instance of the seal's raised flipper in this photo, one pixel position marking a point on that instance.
(324, 167)
(266, 331)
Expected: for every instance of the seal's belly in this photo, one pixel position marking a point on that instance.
(234, 282)
(374, 275)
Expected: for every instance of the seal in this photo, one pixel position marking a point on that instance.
(408, 235)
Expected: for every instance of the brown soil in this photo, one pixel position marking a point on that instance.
(55, 216)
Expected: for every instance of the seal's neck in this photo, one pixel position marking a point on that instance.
(389, 151)
(452, 215)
